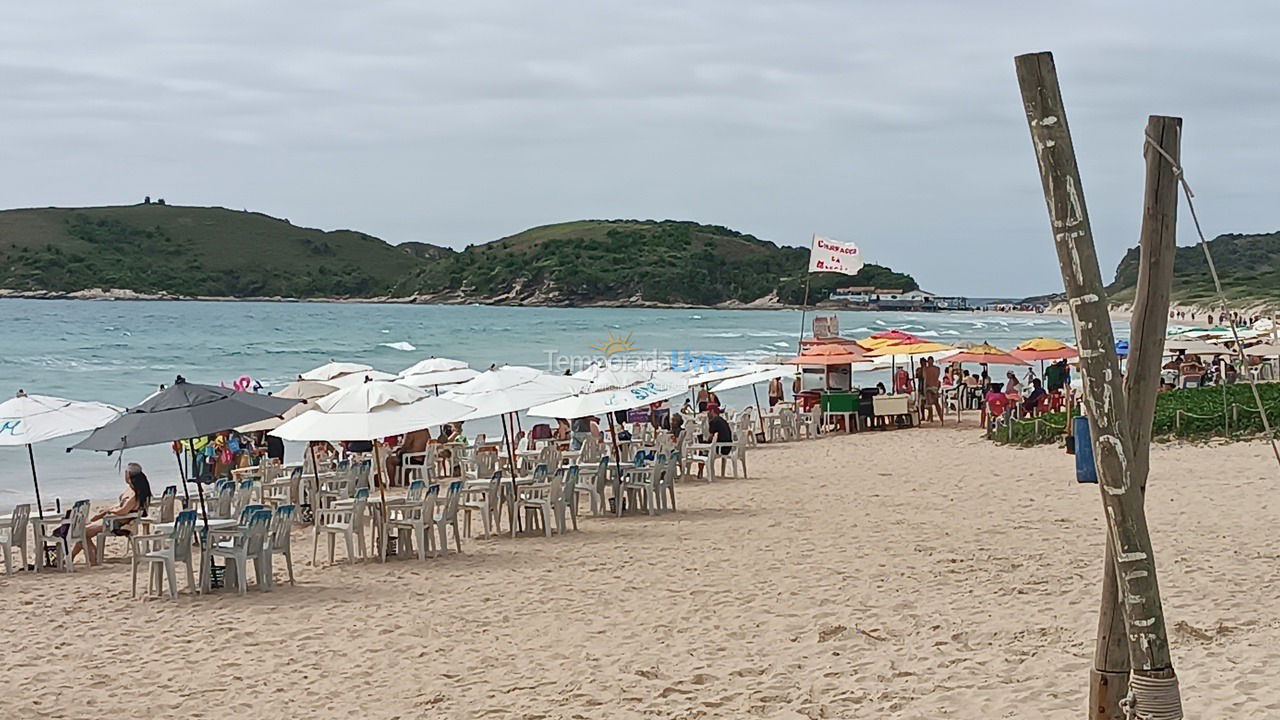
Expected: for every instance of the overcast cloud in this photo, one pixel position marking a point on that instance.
(894, 124)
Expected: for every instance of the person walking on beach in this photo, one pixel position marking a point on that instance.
(931, 375)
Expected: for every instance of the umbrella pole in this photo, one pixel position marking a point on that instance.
(31, 455)
(617, 461)
(180, 456)
(756, 394)
(382, 492)
(511, 458)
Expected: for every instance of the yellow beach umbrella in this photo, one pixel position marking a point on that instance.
(911, 348)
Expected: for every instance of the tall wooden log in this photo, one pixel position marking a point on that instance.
(1110, 678)
(1104, 399)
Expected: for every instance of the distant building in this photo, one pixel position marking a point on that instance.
(872, 298)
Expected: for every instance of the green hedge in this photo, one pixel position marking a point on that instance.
(1196, 413)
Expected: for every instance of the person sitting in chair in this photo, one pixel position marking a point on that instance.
(414, 442)
(719, 432)
(132, 500)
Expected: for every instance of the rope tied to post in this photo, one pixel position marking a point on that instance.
(1179, 175)
(1152, 698)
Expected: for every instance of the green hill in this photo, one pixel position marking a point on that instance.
(211, 251)
(1249, 266)
(153, 248)
(618, 260)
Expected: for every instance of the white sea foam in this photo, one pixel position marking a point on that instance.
(399, 346)
(723, 335)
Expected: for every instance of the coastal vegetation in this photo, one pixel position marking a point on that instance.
(216, 252)
(1249, 266)
(1195, 414)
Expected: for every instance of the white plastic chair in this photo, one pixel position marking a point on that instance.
(75, 522)
(242, 544)
(279, 541)
(538, 499)
(566, 506)
(166, 551)
(415, 516)
(15, 536)
(347, 522)
(484, 502)
(447, 517)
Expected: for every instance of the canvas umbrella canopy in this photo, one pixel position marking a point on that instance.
(605, 377)
(656, 387)
(828, 355)
(704, 378)
(440, 377)
(1264, 350)
(1044, 349)
(1194, 347)
(508, 390)
(986, 354)
(432, 365)
(332, 370)
(371, 411)
(359, 378)
(305, 390)
(182, 411)
(759, 376)
(878, 340)
(919, 347)
(30, 419)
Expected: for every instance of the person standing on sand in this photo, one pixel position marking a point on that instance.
(932, 376)
(775, 391)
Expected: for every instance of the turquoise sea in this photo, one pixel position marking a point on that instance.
(120, 351)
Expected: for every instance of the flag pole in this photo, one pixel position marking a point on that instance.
(804, 307)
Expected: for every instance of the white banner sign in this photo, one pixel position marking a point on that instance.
(827, 255)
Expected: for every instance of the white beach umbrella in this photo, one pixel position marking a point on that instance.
(604, 376)
(332, 370)
(358, 378)
(298, 390)
(371, 411)
(438, 378)
(511, 389)
(764, 375)
(29, 419)
(508, 390)
(432, 365)
(655, 388)
(730, 372)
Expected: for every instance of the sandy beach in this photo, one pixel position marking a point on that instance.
(918, 574)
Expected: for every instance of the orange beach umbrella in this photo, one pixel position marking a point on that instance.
(829, 354)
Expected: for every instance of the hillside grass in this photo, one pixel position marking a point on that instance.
(191, 251)
(659, 261)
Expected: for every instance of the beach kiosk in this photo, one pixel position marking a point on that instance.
(826, 378)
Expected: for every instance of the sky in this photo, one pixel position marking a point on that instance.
(897, 125)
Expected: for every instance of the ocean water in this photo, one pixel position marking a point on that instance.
(119, 352)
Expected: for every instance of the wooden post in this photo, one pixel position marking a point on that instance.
(1151, 668)
(1109, 681)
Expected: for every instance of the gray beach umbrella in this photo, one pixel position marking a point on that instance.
(180, 412)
